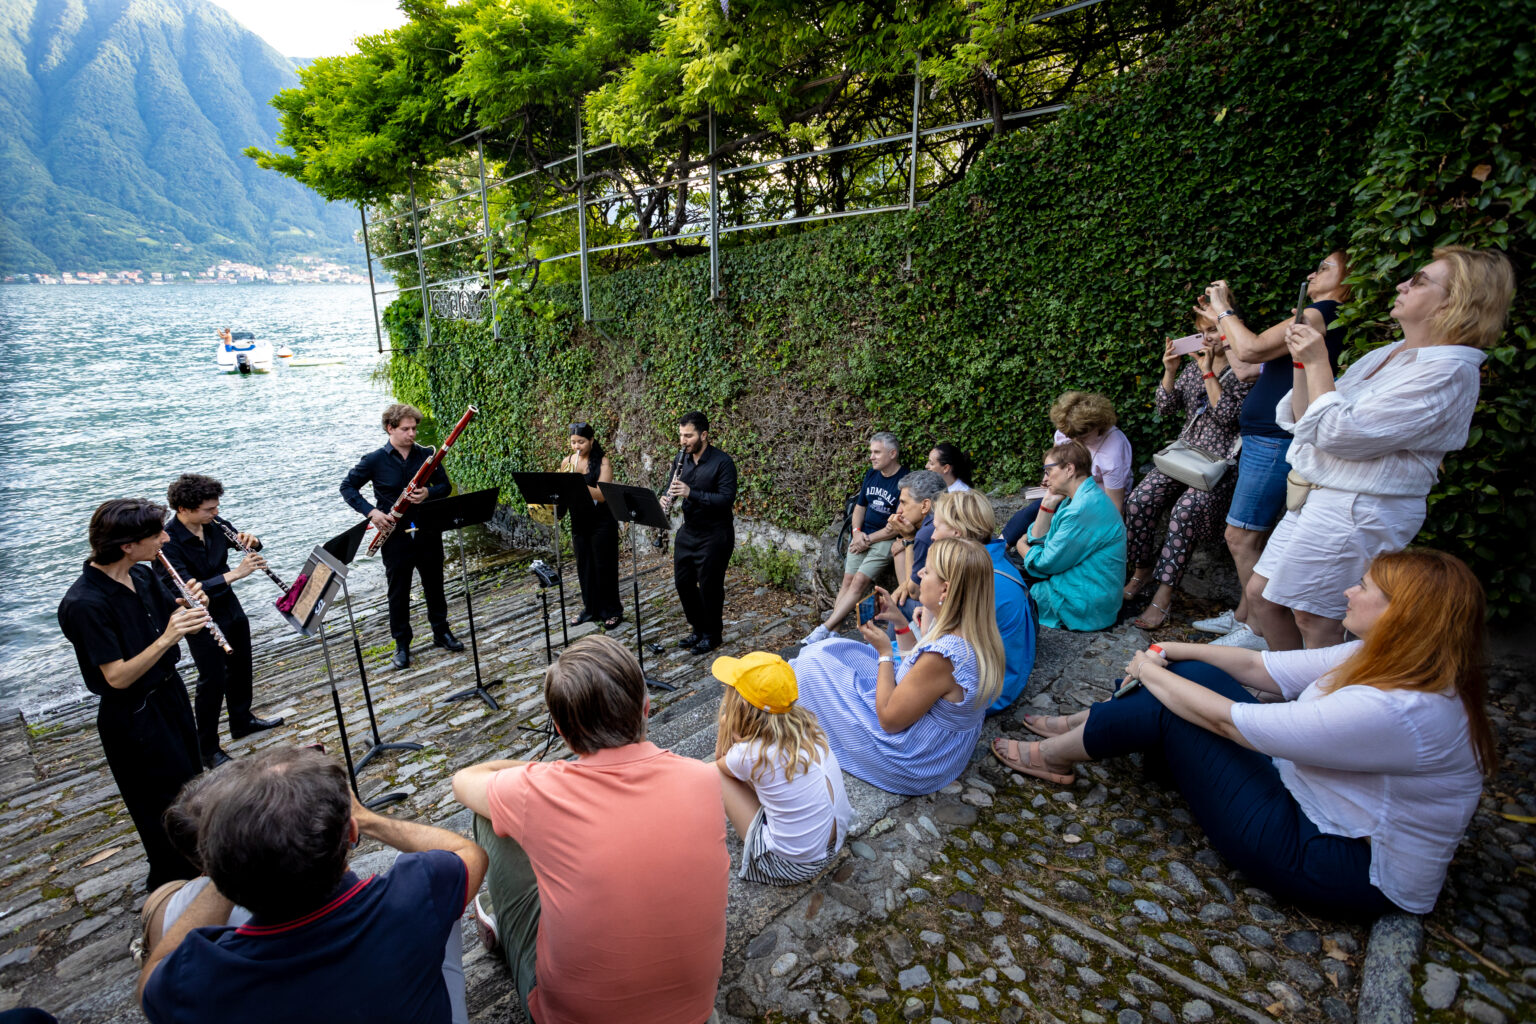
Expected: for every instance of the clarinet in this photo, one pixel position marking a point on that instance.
(192, 602)
(663, 536)
(234, 538)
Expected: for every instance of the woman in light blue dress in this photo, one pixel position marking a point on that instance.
(911, 728)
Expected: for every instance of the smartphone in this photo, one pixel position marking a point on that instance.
(1191, 343)
(1129, 687)
(867, 609)
(1301, 303)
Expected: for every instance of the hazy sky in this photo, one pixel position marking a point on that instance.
(314, 28)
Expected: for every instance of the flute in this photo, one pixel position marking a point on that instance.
(192, 602)
(234, 538)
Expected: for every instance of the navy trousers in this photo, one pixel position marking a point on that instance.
(1239, 799)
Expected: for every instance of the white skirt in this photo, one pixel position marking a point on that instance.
(1316, 554)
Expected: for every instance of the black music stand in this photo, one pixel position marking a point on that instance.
(327, 577)
(344, 547)
(454, 514)
(637, 506)
(567, 492)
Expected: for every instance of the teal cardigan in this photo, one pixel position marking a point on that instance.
(1081, 560)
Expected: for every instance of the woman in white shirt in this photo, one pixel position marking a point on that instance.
(1370, 444)
(1349, 797)
(952, 464)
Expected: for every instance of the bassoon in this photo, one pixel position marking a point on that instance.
(192, 602)
(397, 512)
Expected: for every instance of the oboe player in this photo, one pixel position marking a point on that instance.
(408, 549)
(200, 550)
(126, 627)
(705, 487)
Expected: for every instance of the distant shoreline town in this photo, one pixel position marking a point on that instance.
(305, 270)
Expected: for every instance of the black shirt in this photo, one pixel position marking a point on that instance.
(712, 489)
(389, 474)
(107, 622)
(1276, 377)
(205, 560)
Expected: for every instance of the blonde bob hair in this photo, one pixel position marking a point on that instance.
(793, 739)
(970, 608)
(1081, 413)
(968, 513)
(1479, 288)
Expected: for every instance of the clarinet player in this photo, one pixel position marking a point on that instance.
(705, 487)
(126, 630)
(199, 550)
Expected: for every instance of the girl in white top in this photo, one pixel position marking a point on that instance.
(1371, 442)
(1350, 796)
(782, 785)
(953, 465)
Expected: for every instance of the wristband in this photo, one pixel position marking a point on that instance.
(886, 659)
(904, 631)
(1207, 376)
(1222, 316)
(1299, 366)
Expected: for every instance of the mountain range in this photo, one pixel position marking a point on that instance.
(121, 129)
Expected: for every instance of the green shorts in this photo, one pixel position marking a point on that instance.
(875, 560)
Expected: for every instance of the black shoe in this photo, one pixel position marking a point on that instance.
(402, 657)
(706, 644)
(613, 621)
(689, 641)
(447, 641)
(253, 724)
(583, 617)
(213, 760)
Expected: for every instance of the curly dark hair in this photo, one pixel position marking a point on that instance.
(192, 489)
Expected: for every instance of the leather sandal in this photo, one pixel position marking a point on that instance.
(1140, 621)
(1048, 725)
(1034, 763)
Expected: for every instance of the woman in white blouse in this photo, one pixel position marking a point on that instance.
(1349, 797)
(1368, 447)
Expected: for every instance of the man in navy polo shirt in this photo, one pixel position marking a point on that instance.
(322, 945)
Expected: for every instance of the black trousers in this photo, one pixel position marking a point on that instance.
(151, 747)
(699, 560)
(597, 567)
(422, 554)
(222, 677)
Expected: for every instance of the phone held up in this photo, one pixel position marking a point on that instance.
(1301, 303)
(867, 609)
(1190, 343)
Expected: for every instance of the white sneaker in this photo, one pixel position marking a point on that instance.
(816, 636)
(1242, 636)
(485, 923)
(1221, 624)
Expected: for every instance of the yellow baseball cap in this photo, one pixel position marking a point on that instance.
(764, 680)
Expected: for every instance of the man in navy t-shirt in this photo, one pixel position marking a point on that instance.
(323, 945)
(1259, 498)
(878, 497)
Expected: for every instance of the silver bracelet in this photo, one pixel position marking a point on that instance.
(886, 659)
(1222, 316)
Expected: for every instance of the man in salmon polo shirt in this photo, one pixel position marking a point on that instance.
(608, 873)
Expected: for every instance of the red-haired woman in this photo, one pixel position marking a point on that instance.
(1349, 797)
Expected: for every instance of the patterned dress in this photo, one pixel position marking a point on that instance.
(1197, 515)
(837, 681)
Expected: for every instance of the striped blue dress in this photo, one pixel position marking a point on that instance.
(837, 681)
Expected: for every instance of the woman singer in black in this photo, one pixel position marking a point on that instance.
(594, 533)
(126, 627)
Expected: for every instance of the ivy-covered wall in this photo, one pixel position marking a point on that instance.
(1263, 136)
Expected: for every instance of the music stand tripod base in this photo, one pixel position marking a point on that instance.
(637, 506)
(454, 514)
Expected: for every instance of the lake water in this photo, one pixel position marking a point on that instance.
(112, 392)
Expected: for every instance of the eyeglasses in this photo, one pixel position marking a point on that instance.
(1049, 466)
(1421, 278)
(1325, 265)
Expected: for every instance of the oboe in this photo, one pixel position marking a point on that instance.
(192, 602)
(234, 538)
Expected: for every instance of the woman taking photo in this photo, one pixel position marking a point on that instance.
(910, 728)
(1209, 393)
(595, 536)
(1367, 448)
(1348, 797)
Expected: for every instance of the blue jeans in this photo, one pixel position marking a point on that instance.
(1259, 498)
(1237, 796)
(1019, 522)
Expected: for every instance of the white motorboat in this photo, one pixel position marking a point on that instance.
(242, 352)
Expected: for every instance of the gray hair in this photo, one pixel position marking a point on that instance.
(924, 484)
(886, 438)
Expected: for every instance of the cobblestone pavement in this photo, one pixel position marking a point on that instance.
(998, 899)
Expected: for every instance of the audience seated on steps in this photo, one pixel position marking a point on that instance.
(1208, 392)
(919, 490)
(1090, 418)
(782, 785)
(1348, 797)
(910, 728)
(1075, 548)
(608, 873)
(273, 834)
(968, 514)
